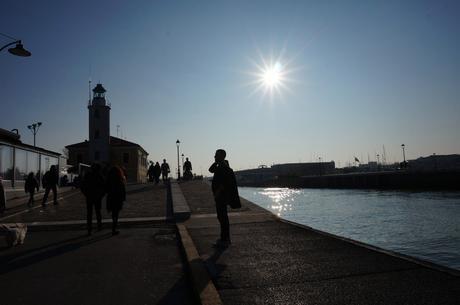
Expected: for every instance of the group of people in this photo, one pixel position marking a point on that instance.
(95, 185)
(49, 183)
(156, 170)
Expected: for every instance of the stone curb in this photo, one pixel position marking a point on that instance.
(202, 284)
(203, 287)
(181, 210)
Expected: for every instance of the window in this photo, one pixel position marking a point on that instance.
(96, 156)
(20, 162)
(96, 114)
(96, 134)
(125, 157)
(32, 162)
(6, 162)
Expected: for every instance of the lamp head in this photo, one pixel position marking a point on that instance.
(19, 50)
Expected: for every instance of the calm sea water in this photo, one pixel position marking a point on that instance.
(425, 225)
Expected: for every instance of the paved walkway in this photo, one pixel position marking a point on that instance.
(273, 262)
(142, 200)
(59, 264)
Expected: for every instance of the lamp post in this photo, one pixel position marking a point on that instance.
(178, 165)
(18, 50)
(404, 153)
(34, 129)
(182, 155)
(320, 166)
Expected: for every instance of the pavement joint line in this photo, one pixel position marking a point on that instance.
(203, 285)
(105, 220)
(417, 261)
(36, 207)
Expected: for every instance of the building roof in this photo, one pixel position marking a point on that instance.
(12, 138)
(117, 142)
(114, 142)
(80, 144)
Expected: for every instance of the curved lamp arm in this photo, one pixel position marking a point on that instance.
(10, 44)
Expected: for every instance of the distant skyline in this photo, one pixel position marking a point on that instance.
(359, 75)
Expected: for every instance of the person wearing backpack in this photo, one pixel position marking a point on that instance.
(49, 182)
(225, 192)
(30, 186)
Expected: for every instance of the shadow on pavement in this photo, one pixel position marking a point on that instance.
(178, 294)
(20, 260)
(213, 267)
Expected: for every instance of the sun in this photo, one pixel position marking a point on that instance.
(271, 77)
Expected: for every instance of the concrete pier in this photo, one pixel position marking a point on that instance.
(158, 261)
(274, 262)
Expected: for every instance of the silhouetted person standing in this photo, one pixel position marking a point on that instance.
(93, 187)
(157, 172)
(116, 194)
(187, 169)
(30, 186)
(165, 170)
(49, 182)
(225, 193)
(151, 172)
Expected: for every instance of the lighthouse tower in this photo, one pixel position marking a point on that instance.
(99, 126)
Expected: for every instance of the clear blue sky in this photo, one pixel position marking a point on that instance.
(364, 74)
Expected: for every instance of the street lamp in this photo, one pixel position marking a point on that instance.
(182, 155)
(320, 166)
(34, 129)
(178, 164)
(18, 50)
(404, 153)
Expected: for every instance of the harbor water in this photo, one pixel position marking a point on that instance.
(425, 225)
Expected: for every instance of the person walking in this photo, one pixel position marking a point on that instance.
(151, 172)
(225, 192)
(49, 182)
(165, 171)
(116, 194)
(93, 187)
(187, 169)
(30, 186)
(157, 172)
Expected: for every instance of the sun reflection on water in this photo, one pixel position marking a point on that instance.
(281, 198)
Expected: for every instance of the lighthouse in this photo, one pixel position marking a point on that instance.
(99, 126)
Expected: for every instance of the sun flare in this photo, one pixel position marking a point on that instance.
(271, 77)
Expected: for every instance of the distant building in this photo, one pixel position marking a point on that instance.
(263, 174)
(435, 162)
(106, 149)
(18, 159)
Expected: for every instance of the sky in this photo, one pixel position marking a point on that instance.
(353, 76)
